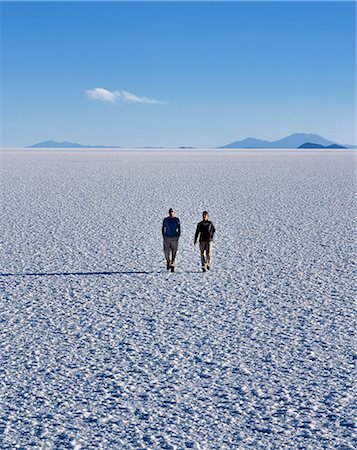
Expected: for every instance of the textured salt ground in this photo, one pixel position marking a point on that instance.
(102, 348)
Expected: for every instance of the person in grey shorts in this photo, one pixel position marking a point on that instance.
(171, 230)
(205, 230)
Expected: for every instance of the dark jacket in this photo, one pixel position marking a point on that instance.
(206, 231)
(171, 227)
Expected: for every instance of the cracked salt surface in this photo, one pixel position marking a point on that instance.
(101, 348)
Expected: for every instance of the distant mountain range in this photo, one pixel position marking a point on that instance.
(297, 140)
(55, 144)
(312, 145)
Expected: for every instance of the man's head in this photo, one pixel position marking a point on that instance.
(171, 212)
(205, 215)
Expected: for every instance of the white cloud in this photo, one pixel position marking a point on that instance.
(124, 96)
(101, 94)
(129, 97)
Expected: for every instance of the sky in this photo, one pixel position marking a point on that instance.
(172, 74)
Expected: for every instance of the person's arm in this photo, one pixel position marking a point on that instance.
(163, 230)
(178, 228)
(197, 232)
(213, 230)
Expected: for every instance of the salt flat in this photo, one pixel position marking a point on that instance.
(102, 348)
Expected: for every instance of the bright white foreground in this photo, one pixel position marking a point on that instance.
(101, 348)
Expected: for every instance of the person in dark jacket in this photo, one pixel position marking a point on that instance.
(205, 230)
(171, 231)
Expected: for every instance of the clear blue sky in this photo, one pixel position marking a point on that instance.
(177, 73)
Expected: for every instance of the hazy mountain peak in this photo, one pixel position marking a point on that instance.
(65, 144)
(294, 140)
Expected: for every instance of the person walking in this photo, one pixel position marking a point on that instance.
(171, 230)
(205, 230)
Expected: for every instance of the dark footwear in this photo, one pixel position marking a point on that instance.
(168, 266)
(203, 269)
(208, 267)
(172, 269)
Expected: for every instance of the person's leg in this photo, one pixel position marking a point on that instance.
(209, 254)
(203, 256)
(167, 252)
(174, 246)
